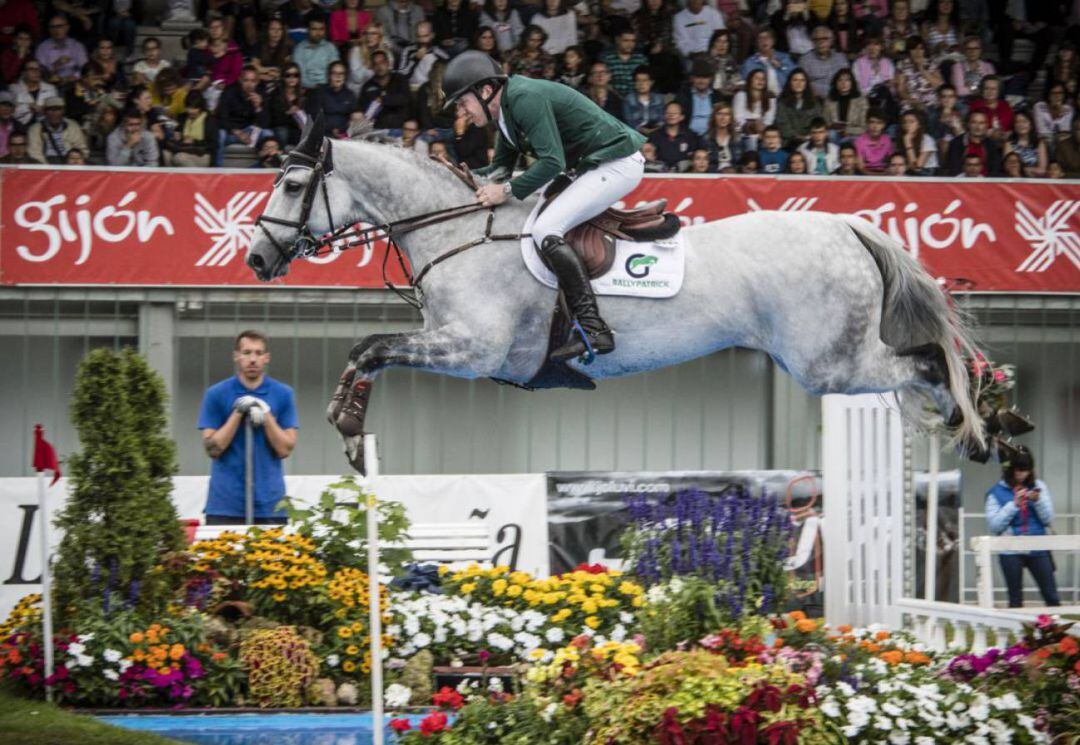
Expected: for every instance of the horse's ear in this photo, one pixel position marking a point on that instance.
(312, 136)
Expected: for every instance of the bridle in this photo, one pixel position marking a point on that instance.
(321, 165)
(307, 245)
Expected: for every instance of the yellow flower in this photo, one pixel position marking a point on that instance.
(561, 616)
(443, 569)
(348, 666)
(352, 650)
(498, 587)
(514, 591)
(536, 654)
(589, 606)
(638, 601)
(468, 588)
(344, 632)
(279, 597)
(592, 622)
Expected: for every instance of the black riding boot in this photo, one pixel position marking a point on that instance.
(574, 281)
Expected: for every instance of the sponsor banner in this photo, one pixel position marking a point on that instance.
(101, 227)
(513, 506)
(587, 509)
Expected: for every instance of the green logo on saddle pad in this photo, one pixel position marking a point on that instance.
(637, 265)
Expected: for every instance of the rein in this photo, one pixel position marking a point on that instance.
(307, 245)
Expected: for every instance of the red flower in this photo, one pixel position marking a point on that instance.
(591, 568)
(669, 731)
(765, 697)
(573, 698)
(449, 698)
(744, 726)
(782, 733)
(400, 725)
(432, 723)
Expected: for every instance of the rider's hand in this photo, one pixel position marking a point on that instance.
(491, 195)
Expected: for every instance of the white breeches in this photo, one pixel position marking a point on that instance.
(590, 194)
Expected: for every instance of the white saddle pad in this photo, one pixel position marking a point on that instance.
(653, 270)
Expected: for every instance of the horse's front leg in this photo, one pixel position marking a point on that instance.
(438, 350)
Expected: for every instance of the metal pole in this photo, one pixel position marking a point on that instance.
(371, 462)
(930, 577)
(249, 473)
(46, 582)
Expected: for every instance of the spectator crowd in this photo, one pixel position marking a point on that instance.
(963, 88)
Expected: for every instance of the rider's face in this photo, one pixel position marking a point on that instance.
(469, 106)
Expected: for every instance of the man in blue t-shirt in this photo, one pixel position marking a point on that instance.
(250, 394)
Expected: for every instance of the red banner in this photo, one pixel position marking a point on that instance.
(153, 228)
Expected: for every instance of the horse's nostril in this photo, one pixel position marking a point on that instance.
(256, 262)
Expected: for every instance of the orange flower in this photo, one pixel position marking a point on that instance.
(844, 628)
(881, 635)
(873, 648)
(176, 652)
(916, 658)
(796, 615)
(778, 643)
(218, 656)
(13, 656)
(893, 656)
(806, 625)
(139, 655)
(1068, 646)
(136, 638)
(1043, 652)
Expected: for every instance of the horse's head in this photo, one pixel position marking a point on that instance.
(301, 206)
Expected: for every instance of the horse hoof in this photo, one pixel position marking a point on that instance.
(1014, 423)
(349, 426)
(974, 450)
(354, 452)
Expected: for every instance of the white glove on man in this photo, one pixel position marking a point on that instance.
(254, 408)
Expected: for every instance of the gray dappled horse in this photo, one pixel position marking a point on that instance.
(835, 302)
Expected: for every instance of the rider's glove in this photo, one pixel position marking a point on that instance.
(252, 407)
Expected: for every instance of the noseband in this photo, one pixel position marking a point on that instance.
(306, 244)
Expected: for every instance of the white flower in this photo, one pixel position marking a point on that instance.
(76, 648)
(111, 655)
(627, 619)
(112, 675)
(549, 711)
(980, 711)
(845, 689)
(421, 640)
(883, 723)
(851, 730)
(891, 709)
(85, 660)
(899, 737)
(1008, 702)
(618, 633)
(83, 638)
(924, 740)
(397, 695)
(554, 635)
(332, 660)
(830, 709)
(125, 664)
(495, 685)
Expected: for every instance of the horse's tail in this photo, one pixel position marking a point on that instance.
(915, 312)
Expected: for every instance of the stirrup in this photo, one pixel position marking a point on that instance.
(589, 355)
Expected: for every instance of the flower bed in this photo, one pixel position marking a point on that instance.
(685, 648)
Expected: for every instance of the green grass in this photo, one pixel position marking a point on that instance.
(29, 722)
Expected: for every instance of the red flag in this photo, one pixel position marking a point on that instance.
(45, 455)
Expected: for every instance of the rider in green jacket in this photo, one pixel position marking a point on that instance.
(567, 133)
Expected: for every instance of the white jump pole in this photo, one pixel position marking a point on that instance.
(371, 463)
(46, 581)
(930, 569)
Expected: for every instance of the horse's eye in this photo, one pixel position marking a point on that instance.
(292, 187)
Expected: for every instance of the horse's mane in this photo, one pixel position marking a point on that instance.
(365, 133)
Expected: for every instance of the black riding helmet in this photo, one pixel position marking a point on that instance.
(467, 73)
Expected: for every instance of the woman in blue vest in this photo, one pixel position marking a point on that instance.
(1020, 504)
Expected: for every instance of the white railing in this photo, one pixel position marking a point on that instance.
(985, 545)
(962, 628)
(1068, 574)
